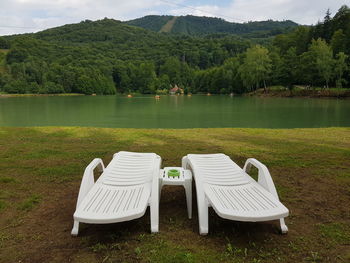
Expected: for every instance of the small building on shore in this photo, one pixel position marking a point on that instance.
(176, 90)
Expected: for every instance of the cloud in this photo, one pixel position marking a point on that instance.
(19, 16)
(300, 11)
(303, 12)
(201, 10)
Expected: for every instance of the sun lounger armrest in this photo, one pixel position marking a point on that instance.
(88, 178)
(264, 176)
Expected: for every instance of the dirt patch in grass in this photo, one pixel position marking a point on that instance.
(41, 169)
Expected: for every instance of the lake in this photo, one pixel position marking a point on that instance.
(174, 112)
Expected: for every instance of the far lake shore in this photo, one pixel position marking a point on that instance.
(11, 95)
(273, 91)
(302, 92)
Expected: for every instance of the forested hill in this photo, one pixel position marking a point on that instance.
(109, 56)
(195, 25)
(106, 56)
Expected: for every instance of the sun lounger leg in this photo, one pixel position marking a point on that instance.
(202, 213)
(75, 229)
(201, 203)
(154, 204)
(188, 190)
(284, 227)
(154, 218)
(203, 221)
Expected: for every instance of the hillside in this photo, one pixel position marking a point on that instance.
(3, 53)
(109, 56)
(113, 39)
(97, 56)
(151, 22)
(194, 25)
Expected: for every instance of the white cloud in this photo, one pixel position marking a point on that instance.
(202, 10)
(19, 16)
(300, 11)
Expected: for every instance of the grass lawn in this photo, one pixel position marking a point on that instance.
(41, 169)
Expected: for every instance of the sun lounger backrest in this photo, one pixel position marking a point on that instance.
(127, 168)
(217, 169)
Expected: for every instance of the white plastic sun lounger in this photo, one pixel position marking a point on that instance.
(233, 194)
(123, 191)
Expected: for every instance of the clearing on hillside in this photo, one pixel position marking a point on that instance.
(168, 26)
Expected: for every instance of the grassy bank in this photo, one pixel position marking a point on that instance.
(7, 95)
(276, 91)
(302, 91)
(41, 169)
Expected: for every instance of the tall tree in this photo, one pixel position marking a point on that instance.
(340, 66)
(341, 20)
(256, 67)
(338, 41)
(301, 39)
(231, 66)
(145, 78)
(172, 68)
(327, 26)
(289, 68)
(323, 59)
(276, 67)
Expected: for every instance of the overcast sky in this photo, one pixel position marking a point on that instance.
(20, 16)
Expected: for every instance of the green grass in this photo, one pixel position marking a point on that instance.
(337, 232)
(2, 205)
(7, 180)
(41, 170)
(30, 202)
(161, 250)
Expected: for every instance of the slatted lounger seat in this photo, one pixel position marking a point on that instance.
(123, 191)
(233, 194)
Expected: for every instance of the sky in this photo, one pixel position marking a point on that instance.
(22, 16)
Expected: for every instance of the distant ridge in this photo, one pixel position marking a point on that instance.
(195, 25)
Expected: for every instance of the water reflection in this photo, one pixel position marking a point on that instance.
(174, 112)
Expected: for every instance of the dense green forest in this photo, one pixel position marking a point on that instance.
(195, 25)
(109, 56)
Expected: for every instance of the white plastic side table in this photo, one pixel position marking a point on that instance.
(184, 179)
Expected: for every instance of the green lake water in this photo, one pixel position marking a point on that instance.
(174, 112)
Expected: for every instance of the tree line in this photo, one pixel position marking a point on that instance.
(106, 56)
